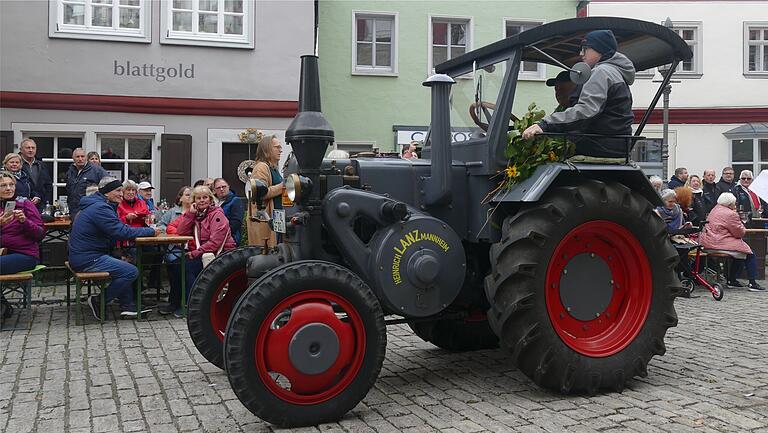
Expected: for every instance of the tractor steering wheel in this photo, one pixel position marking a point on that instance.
(486, 107)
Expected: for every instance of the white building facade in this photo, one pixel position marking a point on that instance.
(719, 106)
(164, 90)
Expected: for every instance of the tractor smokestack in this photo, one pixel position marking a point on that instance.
(437, 187)
(309, 133)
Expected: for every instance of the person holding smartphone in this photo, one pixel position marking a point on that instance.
(21, 229)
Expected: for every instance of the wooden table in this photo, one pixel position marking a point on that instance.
(756, 239)
(155, 241)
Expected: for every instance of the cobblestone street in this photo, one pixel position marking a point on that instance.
(128, 376)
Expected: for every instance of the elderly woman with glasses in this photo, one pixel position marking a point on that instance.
(268, 154)
(746, 199)
(21, 229)
(725, 232)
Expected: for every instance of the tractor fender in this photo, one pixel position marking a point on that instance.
(550, 175)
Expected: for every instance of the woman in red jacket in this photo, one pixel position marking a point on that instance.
(132, 210)
(210, 227)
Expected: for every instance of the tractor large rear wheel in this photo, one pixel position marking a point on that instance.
(304, 344)
(212, 297)
(582, 287)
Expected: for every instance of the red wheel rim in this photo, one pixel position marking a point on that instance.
(221, 302)
(618, 325)
(271, 351)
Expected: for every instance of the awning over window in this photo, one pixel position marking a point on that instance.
(748, 129)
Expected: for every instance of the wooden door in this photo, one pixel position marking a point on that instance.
(232, 155)
(175, 164)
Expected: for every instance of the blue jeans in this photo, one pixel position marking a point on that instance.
(16, 262)
(193, 268)
(738, 266)
(123, 276)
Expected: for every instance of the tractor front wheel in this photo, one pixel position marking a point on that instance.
(304, 344)
(582, 287)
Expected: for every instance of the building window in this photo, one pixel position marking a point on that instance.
(749, 154)
(117, 20)
(528, 70)
(127, 157)
(56, 152)
(375, 49)
(647, 155)
(756, 48)
(449, 38)
(226, 23)
(691, 34)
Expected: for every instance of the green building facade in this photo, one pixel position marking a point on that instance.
(374, 56)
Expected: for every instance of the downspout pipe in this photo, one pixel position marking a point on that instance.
(436, 188)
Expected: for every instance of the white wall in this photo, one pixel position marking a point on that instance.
(722, 34)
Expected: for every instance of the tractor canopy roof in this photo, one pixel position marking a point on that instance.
(647, 44)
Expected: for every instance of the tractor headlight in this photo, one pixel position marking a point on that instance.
(297, 187)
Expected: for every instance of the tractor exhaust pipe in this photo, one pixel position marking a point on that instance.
(309, 134)
(436, 189)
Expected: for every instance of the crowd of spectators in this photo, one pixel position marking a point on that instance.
(722, 207)
(108, 214)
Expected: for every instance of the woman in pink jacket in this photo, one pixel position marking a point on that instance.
(724, 231)
(210, 227)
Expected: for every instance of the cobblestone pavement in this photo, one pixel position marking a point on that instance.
(128, 376)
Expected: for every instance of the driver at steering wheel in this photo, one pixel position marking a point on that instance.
(605, 102)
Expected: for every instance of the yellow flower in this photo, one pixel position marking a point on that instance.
(511, 172)
(552, 156)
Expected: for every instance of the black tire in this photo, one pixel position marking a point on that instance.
(719, 291)
(260, 315)
(519, 303)
(457, 335)
(204, 327)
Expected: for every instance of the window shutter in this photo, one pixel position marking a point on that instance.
(175, 164)
(6, 143)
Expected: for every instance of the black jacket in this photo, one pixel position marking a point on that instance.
(698, 212)
(78, 181)
(43, 183)
(604, 107)
(674, 182)
(722, 186)
(709, 196)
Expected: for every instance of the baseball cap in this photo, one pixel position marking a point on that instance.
(146, 185)
(562, 77)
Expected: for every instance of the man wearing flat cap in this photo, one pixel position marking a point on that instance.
(564, 90)
(605, 102)
(95, 230)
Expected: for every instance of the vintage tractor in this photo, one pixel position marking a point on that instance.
(570, 271)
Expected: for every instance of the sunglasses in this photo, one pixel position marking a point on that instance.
(746, 178)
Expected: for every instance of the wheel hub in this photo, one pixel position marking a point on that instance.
(586, 286)
(314, 348)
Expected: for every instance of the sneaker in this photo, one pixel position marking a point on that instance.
(131, 312)
(167, 309)
(754, 287)
(95, 303)
(734, 283)
(178, 313)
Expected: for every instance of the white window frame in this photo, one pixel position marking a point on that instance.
(541, 71)
(756, 163)
(470, 35)
(58, 29)
(175, 37)
(697, 48)
(125, 160)
(90, 134)
(390, 71)
(747, 26)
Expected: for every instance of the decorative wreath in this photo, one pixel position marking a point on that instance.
(245, 169)
(526, 155)
(251, 135)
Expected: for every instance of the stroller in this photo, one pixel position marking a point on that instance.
(698, 274)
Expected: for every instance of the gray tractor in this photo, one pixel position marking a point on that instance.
(570, 271)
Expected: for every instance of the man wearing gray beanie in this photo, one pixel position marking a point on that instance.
(605, 102)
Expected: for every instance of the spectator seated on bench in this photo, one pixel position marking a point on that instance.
(21, 229)
(724, 232)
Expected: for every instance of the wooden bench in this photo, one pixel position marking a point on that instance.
(20, 283)
(99, 279)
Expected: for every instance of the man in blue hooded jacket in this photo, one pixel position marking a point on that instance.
(95, 230)
(605, 101)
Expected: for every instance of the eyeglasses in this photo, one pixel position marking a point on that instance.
(583, 49)
(746, 178)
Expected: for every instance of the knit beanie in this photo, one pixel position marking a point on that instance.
(602, 41)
